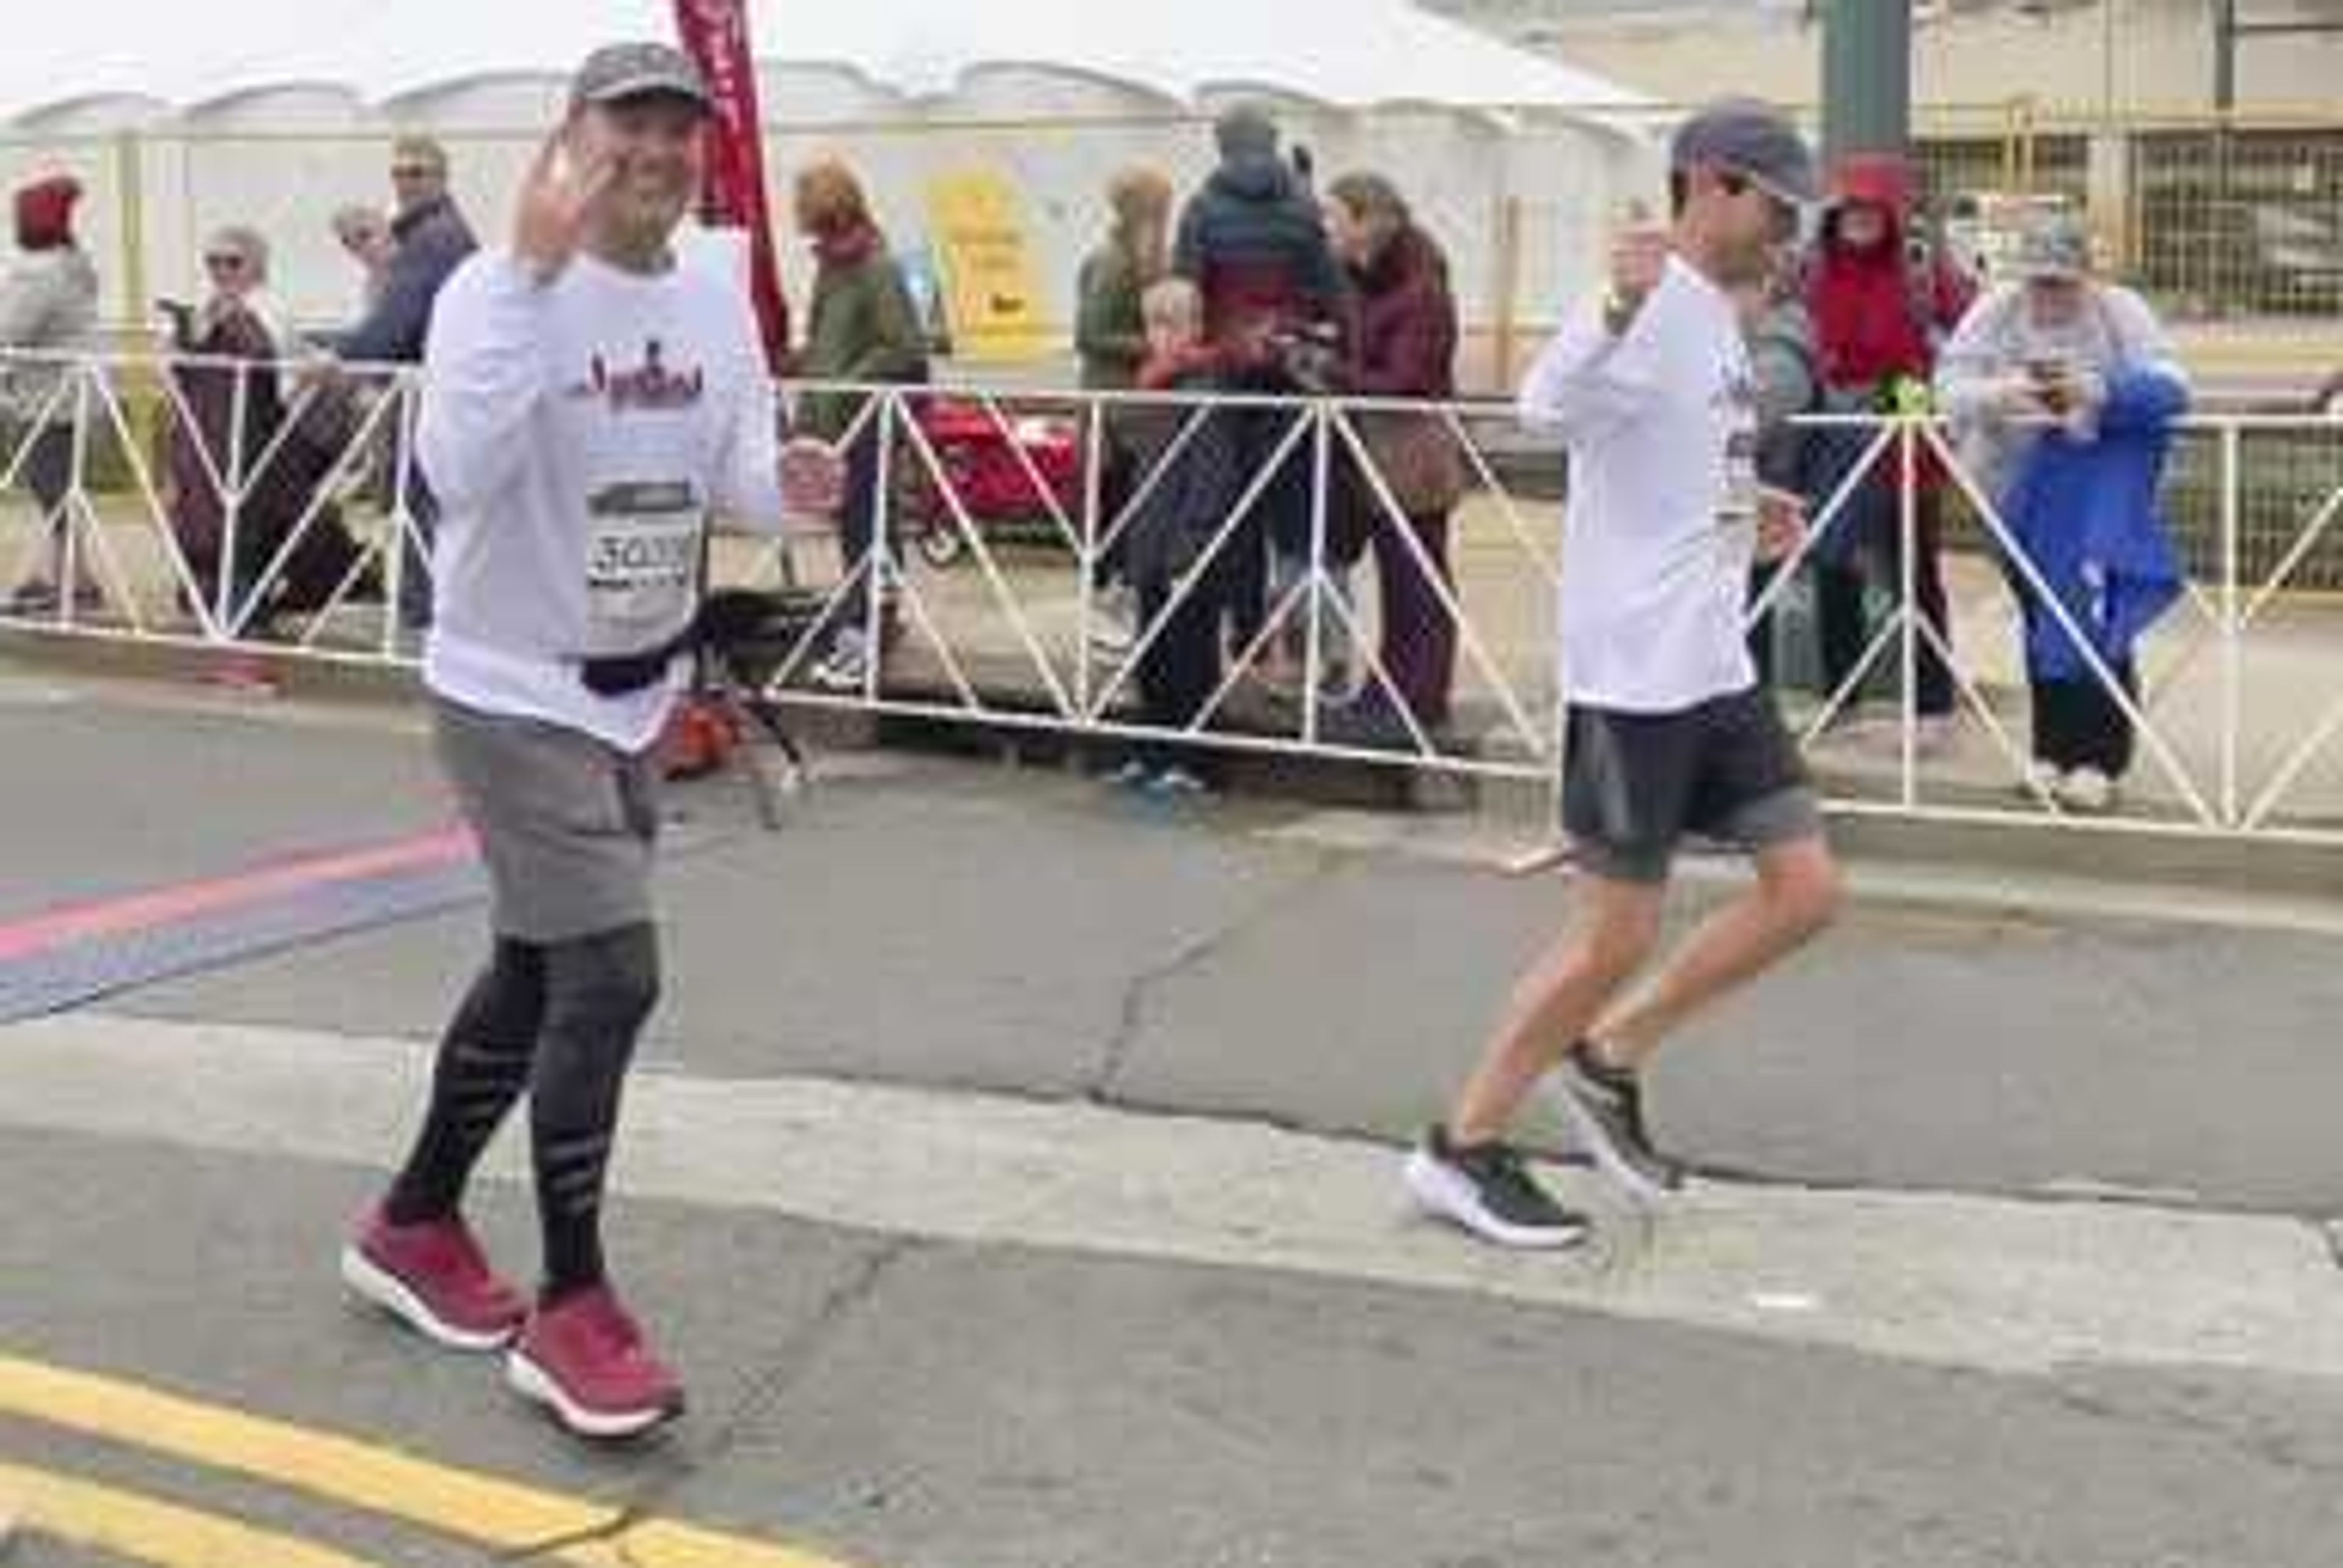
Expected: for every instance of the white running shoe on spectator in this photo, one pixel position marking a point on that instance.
(1176, 782)
(1114, 619)
(2088, 790)
(847, 665)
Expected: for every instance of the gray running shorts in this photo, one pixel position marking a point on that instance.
(565, 823)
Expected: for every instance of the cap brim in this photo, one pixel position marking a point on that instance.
(1808, 195)
(628, 89)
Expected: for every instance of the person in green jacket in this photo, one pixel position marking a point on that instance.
(861, 328)
(1111, 337)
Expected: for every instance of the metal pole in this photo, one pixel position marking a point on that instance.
(1093, 489)
(1508, 285)
(2232, 629)
(2224, 103)
(2107, 63)
(2225, 56)
(1867, 79)
(1907, 595)
(1313, 603)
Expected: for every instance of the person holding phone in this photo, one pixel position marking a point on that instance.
(2063, 389)
(588, 408)
(1651, 390)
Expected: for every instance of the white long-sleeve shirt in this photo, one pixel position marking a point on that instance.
(579, 436)
(1661, 427)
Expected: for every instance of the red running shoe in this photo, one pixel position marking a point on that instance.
(585, 1360)
(433, 1277)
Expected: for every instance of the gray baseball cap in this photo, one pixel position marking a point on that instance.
(2053, 245)
(616, 72)
(1750, 138)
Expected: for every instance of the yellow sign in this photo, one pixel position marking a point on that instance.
(991, 299)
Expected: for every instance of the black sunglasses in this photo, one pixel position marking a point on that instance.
(1785, 211)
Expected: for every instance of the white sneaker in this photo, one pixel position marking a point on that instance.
(1115, 620)
(2088, 789)
(846, 666)
(1176, 782)
(2044, 779)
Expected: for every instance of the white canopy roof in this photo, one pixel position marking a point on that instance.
(1343, 51)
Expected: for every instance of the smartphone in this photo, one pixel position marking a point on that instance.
(2052, 382)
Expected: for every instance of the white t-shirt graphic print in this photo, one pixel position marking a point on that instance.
(1661, 428)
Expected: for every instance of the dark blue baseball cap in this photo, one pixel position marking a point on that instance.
(1750, 138)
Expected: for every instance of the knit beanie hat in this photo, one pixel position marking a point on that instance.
(44, 212)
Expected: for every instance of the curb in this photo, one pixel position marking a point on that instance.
(2177, 860)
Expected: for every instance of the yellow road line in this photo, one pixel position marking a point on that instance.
(144, 1529)
(506, 1516)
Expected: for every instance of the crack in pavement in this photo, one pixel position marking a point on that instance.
(2175, 1413)
(789, 1363)
(1115, 1055)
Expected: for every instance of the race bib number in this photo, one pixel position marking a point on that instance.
(642, 556)
(1737, 506)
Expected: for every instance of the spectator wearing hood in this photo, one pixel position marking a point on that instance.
(48, 307)
(2063, 390)
(1882, 301)
(1254, 244)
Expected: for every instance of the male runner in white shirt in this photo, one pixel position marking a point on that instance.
(589, 407)
(1669, 733)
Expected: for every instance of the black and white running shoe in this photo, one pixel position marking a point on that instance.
(1487, 1188)
(1605, 1108)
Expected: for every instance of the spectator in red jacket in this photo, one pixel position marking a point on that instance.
(1883, 301)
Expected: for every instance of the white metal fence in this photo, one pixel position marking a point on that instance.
(223, 505)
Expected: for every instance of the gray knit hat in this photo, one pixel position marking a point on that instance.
(1245, 130)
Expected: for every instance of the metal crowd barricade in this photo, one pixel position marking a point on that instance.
(2224, 751)
(997, 511)
(1004, 632)
(198, 495)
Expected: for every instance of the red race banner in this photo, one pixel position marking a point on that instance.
(715, 33)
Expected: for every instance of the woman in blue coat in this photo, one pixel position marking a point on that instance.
(2064, 391)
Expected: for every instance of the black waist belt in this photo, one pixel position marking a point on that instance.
(727, 618)
(624, 673)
